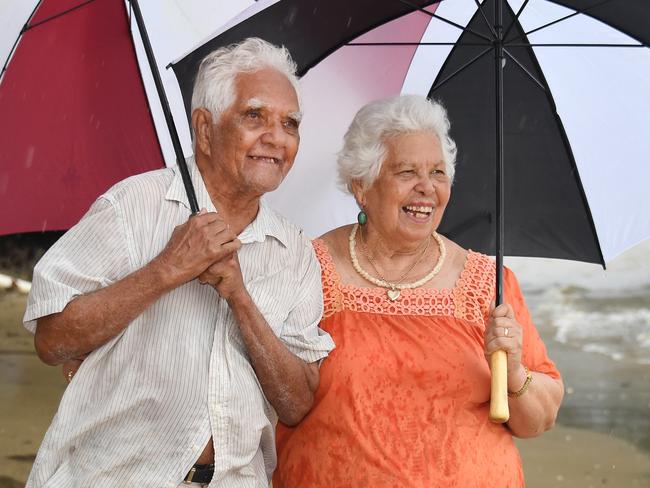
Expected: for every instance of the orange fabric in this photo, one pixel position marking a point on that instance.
(403, 399)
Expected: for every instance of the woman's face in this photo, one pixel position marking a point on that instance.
(406, 202)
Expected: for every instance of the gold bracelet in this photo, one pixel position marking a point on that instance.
(522, 390)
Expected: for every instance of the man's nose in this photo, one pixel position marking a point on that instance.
(274, 133)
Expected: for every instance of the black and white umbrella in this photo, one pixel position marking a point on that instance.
(548, 101)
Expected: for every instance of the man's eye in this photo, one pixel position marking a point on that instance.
(291, 124)
(253, 114)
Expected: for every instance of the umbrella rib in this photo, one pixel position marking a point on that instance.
(13, 48)
(487, 22)
(523, 68)
(577, 12)
(573, 45)
(474, 44)
(57, 15)
(431, 14)
(462, 68)
(514, 21)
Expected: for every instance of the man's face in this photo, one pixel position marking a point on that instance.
(255, 141)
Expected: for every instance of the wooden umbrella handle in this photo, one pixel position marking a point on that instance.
(499, 412)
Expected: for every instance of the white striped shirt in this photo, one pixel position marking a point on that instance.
(142, 407)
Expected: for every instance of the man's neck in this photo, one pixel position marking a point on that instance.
(237, 209)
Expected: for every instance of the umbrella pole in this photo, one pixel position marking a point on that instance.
(499, 412)
(180, 157)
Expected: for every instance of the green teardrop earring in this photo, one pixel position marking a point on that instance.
(362, 218)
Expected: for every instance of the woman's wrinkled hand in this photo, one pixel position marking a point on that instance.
(503, 332)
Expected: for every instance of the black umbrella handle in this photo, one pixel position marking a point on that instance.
(173, 133)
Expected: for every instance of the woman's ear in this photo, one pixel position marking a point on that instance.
(359, 192)
(202, 127)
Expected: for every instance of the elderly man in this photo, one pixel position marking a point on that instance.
(199, 328)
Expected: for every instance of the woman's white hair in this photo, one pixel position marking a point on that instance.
(214, 86)
(364, 144)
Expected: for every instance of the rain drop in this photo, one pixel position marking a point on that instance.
(29, 158)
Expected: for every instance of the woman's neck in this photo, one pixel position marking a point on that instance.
(384, 249)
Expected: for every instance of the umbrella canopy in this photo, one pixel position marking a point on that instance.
(78, 107)
(575, 126)
(71, 99)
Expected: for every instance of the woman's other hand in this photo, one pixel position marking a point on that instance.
(503, 332)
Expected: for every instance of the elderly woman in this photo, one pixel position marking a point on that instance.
(404, 398)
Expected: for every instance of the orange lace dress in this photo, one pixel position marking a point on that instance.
(403, 399)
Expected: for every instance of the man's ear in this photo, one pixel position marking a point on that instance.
(359, 192)
(202, 127)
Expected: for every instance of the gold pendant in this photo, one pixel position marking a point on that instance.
(393, 294)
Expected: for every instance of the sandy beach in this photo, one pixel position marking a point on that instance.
(602, 437)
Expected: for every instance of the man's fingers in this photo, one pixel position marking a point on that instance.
(222, 235)
(224, 250)
(206, 218)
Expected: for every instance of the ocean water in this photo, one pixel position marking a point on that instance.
(599, 311)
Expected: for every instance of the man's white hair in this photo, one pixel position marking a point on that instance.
(214, 87)
(364, 144)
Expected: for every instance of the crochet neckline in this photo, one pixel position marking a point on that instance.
(327, 257)
(469, 298)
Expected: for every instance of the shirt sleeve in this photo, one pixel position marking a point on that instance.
(301, 333)
(534, 351)
(91, 255)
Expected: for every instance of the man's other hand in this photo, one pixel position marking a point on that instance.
(225, 276)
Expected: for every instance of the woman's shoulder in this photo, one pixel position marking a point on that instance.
(335, 241)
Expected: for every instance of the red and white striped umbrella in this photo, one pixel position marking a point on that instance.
(75, 117)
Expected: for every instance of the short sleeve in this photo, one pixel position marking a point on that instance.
(301, 332)
(534, 351)
(91, 255)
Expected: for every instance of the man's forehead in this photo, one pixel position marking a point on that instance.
(266, 85)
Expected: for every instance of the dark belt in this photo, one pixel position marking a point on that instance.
(200, 473)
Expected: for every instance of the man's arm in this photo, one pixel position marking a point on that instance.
(90, 321)
(288, 382)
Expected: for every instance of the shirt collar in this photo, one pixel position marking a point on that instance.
(266, 223)
(176, 191)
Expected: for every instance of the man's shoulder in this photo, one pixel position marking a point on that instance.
(145, 186)
(287, 230)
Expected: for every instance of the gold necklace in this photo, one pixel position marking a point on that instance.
(394, 289)
(404, 275)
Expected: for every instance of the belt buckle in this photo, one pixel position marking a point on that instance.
(190, 476)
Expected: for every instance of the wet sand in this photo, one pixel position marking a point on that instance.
(602, 437)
